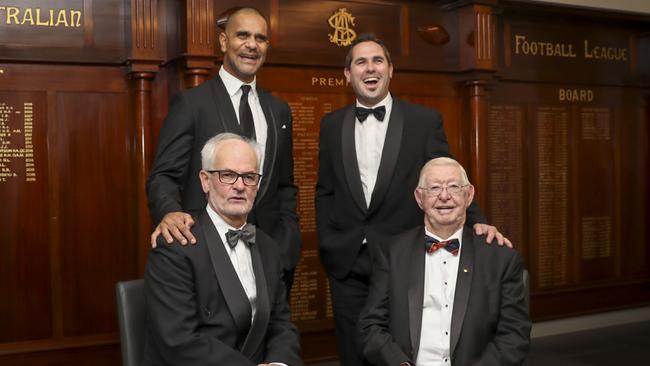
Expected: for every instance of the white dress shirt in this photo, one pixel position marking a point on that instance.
(233, 87)
(440, 273)
(240, 256)
(369, 137)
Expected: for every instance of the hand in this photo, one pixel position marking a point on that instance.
(177, 224)
(491, 232)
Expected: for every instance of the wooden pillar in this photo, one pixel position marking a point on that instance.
(143, 157)
(477, 30)
(200, 41)
(478, 140)
(145, 55)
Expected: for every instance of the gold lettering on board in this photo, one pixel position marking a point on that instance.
(37, 17)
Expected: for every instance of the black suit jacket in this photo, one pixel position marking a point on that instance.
(489, 325)
(414, 136)
(195, 116)
(198, 312)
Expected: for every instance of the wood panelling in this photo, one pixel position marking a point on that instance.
(566, 179)
(95, 210)
(71, 231)
(26, 309)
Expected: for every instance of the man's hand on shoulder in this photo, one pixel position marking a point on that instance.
(175, 225)
(491, 232)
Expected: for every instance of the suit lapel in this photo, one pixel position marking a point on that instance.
(257, 332)
(463, 286)
(233, 292)
(389, 155)
(416, 286)
(271, 142)
(350, 164)
(226, 116)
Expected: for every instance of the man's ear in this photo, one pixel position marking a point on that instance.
(418, 198)
(204, 177)
(470, 194)
(346, 72)
(222, 41)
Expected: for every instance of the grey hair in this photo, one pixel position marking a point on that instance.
(211, 146)
(442, 161)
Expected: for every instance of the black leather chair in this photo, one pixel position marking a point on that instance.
(526, 278)
(131, 314)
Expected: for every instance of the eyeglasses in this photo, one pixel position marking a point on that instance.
(435, 191)
(230, 177)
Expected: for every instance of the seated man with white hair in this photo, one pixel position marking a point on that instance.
(438, 294)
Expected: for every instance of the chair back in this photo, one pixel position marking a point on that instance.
(526, 278)
(131, 318)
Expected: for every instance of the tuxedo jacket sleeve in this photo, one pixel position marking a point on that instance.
(171, 171)
(374, 328)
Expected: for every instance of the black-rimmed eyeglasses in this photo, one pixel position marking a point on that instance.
(230, 177)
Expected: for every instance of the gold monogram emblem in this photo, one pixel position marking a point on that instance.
(341, 21)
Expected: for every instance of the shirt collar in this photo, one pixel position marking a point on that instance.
(387, 101)
(219, 223)
(457, 235)
(233, 85)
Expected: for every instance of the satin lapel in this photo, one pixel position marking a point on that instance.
(389, 155)
(271, 142)
(227, 118)
(463, 286)
(231, 287)
(415, 286)
(257, 332)
(350, 164)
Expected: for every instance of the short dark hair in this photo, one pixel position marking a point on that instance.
(366, 37)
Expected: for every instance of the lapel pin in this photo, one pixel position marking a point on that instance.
(465, 270)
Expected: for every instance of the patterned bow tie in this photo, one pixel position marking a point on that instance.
(432, 244)
(362, 113)
(246, 234)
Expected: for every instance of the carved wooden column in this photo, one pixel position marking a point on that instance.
(200, 41)
(478, 140)
(477, 32)
(143, 64)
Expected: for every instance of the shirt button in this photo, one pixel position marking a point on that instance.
(445, 262)
(446, 333)
(445, 282)
(446, 305)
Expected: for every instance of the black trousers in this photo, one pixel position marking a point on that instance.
(348, 298)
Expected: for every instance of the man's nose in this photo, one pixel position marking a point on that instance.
(444, 194)
(251, 43)
(239, 184)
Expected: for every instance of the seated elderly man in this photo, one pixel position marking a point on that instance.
(221, 301)
(439, 295)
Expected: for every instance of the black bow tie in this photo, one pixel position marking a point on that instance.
(362, 113)
(432, 244)
(246, 234)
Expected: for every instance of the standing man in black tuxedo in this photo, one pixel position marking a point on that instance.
(440, 296)
(229, 102)
(370, 156)
(221, 301)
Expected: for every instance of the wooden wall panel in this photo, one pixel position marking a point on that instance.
(26, 311)
(72, 229)
(93, 165)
